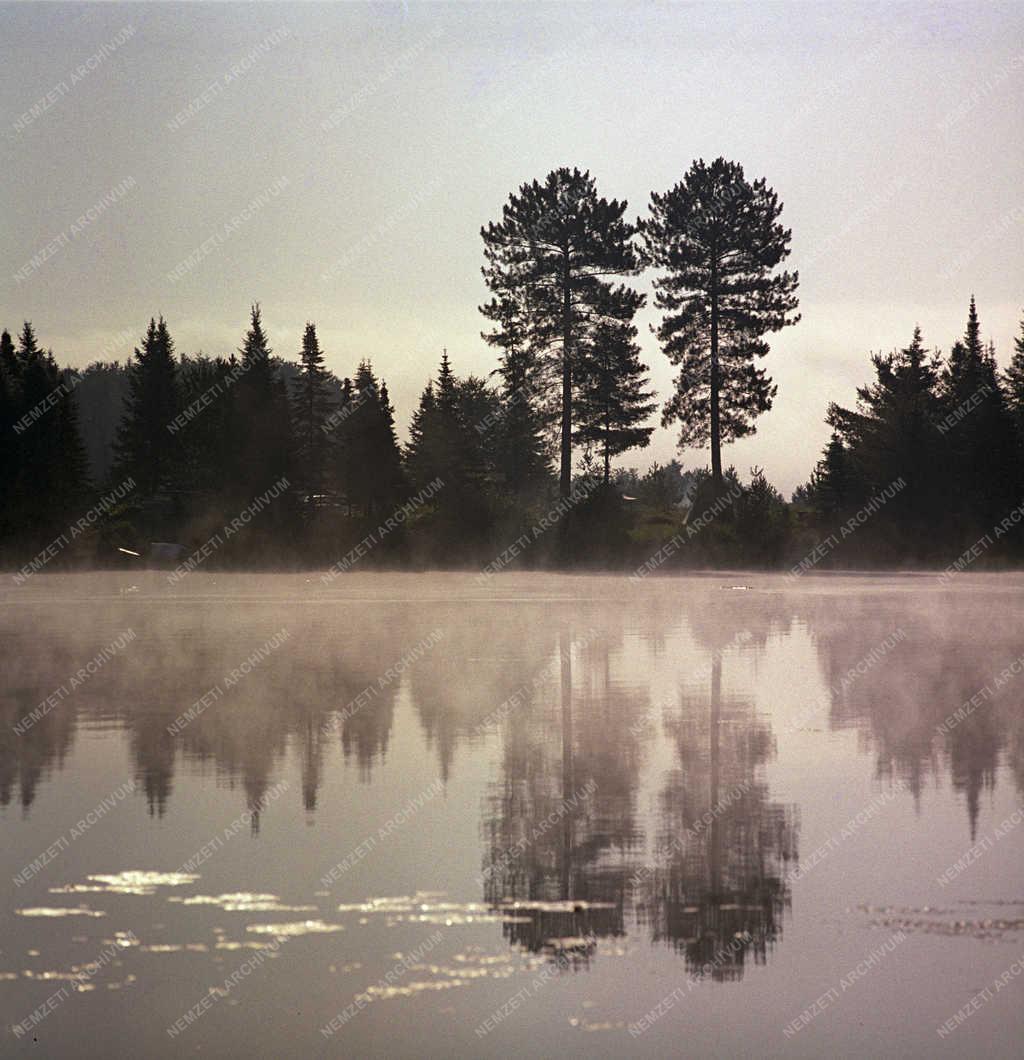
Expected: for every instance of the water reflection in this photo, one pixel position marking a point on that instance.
(913, 709)
(561, 821)
(615, 806)
(720, 892)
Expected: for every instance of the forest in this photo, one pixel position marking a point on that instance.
(254, 460)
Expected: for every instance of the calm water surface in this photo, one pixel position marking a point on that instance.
(410, 816)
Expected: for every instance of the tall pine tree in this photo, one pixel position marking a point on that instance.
(717, 238)
(551, 260)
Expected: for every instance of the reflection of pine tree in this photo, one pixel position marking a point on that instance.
(718, 892)
(561, 825)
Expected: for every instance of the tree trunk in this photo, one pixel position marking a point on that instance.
(716, 435)
(565, 477)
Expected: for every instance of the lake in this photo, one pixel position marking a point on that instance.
(418, 815)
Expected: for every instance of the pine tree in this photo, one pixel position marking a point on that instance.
(146, 449)
(548, 261)
(311, 404)
(717, 238)
(613, 401)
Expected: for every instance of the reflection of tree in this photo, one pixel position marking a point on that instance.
(717, 889)
(293, 701)
(900, 699)
(560, 825)
(27, 757)
(481, 661)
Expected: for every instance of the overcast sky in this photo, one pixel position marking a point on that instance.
(374, 141)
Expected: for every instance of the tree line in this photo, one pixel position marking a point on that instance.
(198, 437)
(941, 439)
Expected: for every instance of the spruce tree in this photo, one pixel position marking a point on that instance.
(834, 489)
(893, 435)
(10, 413)
(551, 259)
(208, 441)
(442, 443)
(8, 357)
(311, 404)
(423, 459)
(145, 448)
(717, 238)
(613, 401)
(262, 415)
(980, 435)
(43, 465)
(369, 457)
(517, 430)
(1014, 386)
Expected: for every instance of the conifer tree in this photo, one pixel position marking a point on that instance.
(550, 260)
(8, 357)
(980, 434)
(442, 442)
(892, 436)
(517, 430)
(208, 441)
(369, 457)
(613, 401)
(423, 458)
(44, 464)
(311, 404)
(262, 415)
(146, 449)
(717, 238)
(10, 413)
(1014, 386)
(834, 488)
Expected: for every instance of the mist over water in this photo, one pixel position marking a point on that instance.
(552, 815)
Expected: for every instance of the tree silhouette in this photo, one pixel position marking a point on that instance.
(893, 435)
(1014, 385)
(718, 240)
(311, 404)
(146, 449)
(370, 462)
(982, 446)
(613, 401)
(550, 256)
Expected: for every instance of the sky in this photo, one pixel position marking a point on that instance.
(335, 162)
